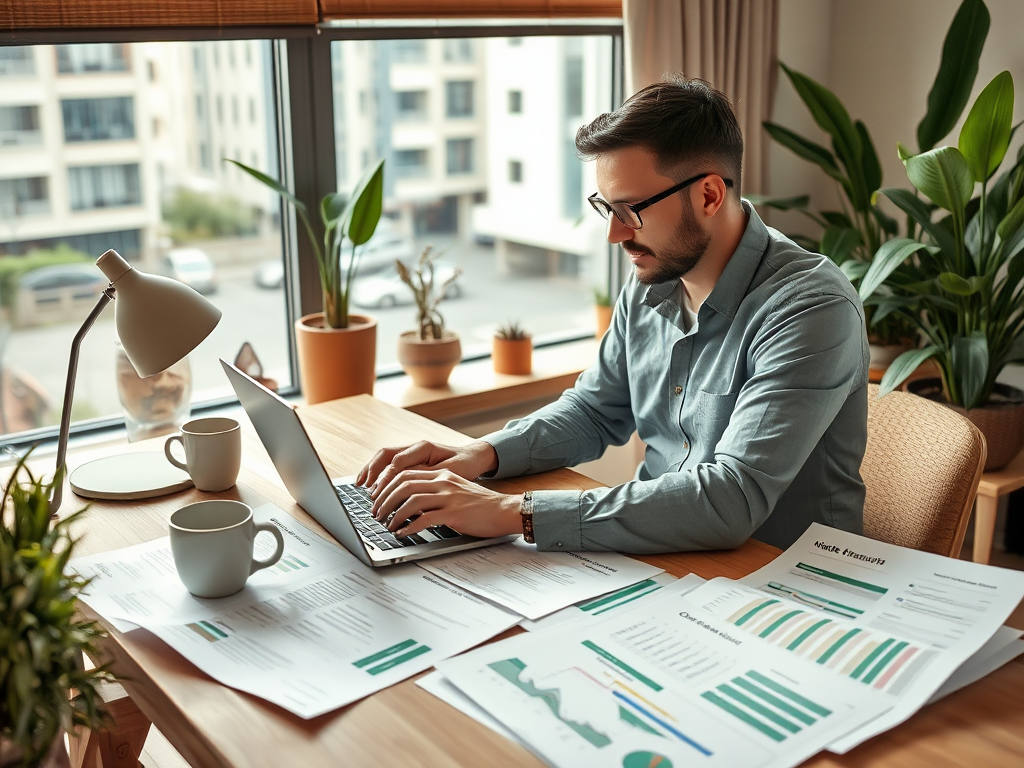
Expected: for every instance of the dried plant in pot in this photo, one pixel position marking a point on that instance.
(41, 637)
(512, 352)
(430, 353)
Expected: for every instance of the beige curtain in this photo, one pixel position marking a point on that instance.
(733, 44)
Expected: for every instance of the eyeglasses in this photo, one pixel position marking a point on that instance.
(629, 213)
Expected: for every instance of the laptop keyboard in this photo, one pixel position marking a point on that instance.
(358, 503)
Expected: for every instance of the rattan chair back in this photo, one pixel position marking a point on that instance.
(921, 470)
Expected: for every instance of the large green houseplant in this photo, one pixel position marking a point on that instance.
(852, 235)
(331, 364)
(44, 689)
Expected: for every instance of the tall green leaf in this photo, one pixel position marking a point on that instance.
(890, 255)
(869, 159)
(970, 368)
(985, 136)
(363, 213)
(919, 211)
(957, 70)
(805, 148)
(839, 242)
(903, 366)
(943, 176)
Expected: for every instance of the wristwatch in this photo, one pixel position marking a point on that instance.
(526, 513)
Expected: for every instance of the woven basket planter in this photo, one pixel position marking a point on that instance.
(1001, 419)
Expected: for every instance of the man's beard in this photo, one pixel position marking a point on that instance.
(680, 256)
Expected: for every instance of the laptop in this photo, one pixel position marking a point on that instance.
(342, 508)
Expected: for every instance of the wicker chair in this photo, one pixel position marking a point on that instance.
(921, 468)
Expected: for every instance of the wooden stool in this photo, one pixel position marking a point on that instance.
(120, 745)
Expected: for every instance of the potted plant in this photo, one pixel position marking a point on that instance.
(603, 307)
(962, 275)
(337, 351)
(428, 355)
(41, 639)
(512, 352)
(852, 236)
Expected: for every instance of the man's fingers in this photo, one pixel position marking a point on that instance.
(415, 505)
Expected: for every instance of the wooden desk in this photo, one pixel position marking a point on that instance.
(212, 725)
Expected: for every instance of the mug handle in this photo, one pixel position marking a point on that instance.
(260, 564)
(167, 451)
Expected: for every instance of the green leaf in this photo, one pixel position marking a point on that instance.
(970, 368)
(838, 243)
(273, 184)
(1016, 352)
(958, 285)
(363, 214)
(942, 174)
(890, 255)
(957, 70)
(904, 153)
(799, 202)
(837, 219)
(853, 269)
(920, 212)
(903, 366)
(332, 208)
(888, 224)
(805, 148)
(1012, 222)
(869, 159)
(985, 136)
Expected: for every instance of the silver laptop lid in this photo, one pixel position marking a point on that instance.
(292, 452)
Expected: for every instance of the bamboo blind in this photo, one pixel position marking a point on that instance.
(91, 14)
(501, 9)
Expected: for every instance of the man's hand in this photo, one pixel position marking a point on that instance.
(420, 498)
(468, 461)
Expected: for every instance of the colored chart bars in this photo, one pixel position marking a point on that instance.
(208, 631)
(290, 563)
(619, 598)
(767, 706)
(399, 653)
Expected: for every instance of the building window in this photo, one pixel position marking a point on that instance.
(515, 102)
(459, 98)
(199, 106)
(204, 156)
(410, 105)
(92, 57)
(104, 186)
(234, 110)
(20, 125)
(151, 71)
(410, 51)
(515, 42)
(109, 119)
(410, 163)
(220, 110)
(460, 157)
(573, 79)
(458, 49)
(16, 61)
(515, 171)
(24, 197)
(252, 109)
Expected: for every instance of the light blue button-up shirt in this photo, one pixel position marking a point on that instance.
(754, 420)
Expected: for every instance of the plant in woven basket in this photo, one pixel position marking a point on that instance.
(512, 331)
(421, 280)
(41, 639)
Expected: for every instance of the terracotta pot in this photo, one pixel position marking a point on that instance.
(604, 319)
(513, 356)
(429, 363)
(1001, 419)
(336, 362)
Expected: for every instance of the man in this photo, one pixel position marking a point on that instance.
(739, 358)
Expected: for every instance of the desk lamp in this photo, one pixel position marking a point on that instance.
(159, 321)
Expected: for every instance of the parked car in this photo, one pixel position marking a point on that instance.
(386, 289)
(84, 279)
(192, 267)
(269, 274)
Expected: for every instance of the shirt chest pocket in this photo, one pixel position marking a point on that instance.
(707, 417)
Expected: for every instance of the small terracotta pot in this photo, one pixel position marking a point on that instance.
(429, 363)
(513, 357)
(604, 319)
(336, 362)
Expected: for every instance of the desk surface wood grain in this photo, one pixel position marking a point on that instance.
(212, 725)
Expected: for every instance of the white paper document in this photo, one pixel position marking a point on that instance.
(314, 632)
(662, 683)
(892, 619)
(534, 583)
(438, 685)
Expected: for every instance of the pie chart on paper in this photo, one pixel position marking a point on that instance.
(645, 760)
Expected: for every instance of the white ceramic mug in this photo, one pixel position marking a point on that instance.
(213, 452)
(212, 543)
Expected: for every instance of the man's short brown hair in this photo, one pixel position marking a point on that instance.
(679, 121)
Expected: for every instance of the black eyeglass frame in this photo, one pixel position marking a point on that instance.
(605, 209)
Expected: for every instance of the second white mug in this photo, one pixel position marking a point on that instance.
(213, 452)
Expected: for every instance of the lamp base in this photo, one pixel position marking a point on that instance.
(129, 476)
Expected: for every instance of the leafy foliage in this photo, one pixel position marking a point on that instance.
(428, 295)
(602, 298)
(41, 640)
(13, 267)
(512, 331)
(198, 216)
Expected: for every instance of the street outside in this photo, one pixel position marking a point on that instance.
(542, 304)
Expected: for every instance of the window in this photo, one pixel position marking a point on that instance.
(410, 105)
(108, 119)
(458, 50)
(460, 156)
(410, 163)
(252, 108)
(459, 98)
(234, 110)
(220, 110)
(515, 102)
(199, 107)
(16, 61)
(410, 51)
(92, 57)
(104, 186)
(573, 79)
(515, 171)
(24, 197)
(20, 125)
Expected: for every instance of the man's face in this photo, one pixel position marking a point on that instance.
(672, 240)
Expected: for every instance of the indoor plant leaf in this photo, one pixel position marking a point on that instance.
(363, 214)
(892, 253)
(957, 70)
(839, 242)
(805, 148)
(903, 366)
(985, 136)
(961, 286)
(970, 368)
(920, 212)
(943, 176)
(869, 158)
(853, 269)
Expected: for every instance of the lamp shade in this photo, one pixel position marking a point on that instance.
(158, 320)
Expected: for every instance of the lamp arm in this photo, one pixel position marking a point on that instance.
(69, 394)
